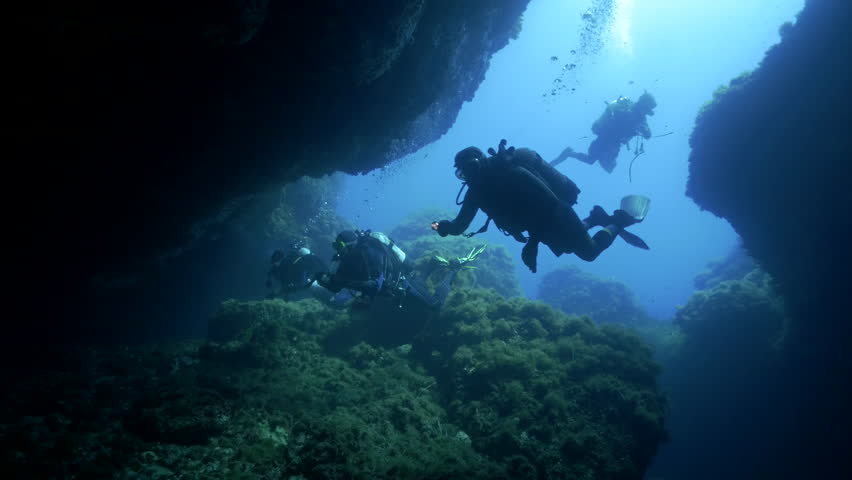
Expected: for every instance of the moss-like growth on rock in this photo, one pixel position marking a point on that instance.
(492, 388)
(736, 265)
(578, 293)
(494, 268)
(726, 374)
(744, 318)
(777, 141)
(554, 396)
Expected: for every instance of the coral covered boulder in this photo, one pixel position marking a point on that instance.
(770, 154)
(553, 396)
(494, 268)
(728, 379)
(605, 301)
(492, 388)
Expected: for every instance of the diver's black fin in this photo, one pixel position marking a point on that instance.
(633, 239)
(636, 206)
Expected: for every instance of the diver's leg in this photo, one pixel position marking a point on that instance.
(589, 248)
(569, 152)
(597, 150)
(417, 289)
(529, 254)
(577, 237)
(608, 157)
(443, 289)
(597, 218)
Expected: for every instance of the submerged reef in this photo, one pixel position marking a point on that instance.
(494, 268)
(724, 363)
(551, 396)
(770, 154)
(578, 293)
(733, 266)
(490, 388)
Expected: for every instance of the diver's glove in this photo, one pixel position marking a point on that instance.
(441, 227)
(501, 148)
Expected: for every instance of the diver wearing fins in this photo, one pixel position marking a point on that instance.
(622, 120)
(371, 264)
(293, 271)
(521, 192)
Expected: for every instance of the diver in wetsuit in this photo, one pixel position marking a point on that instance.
(622, 120)
(521, 192)
(371, 264)
(293, 271)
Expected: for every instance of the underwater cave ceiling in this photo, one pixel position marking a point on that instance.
(771, 154)
(163, 116)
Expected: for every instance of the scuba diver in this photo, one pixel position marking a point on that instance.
(371, 264)
(521, 192)
(293, 271)
(622, 120)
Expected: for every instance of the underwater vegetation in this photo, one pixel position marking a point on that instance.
(490, 388)
(724, 359)
(494, 268)
(578, 293)
(775, 140)
(770, 154)
(733, 266)
(552, 396)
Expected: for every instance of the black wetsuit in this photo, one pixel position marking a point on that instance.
(620, 122)
(521, 192)
(514, 190)
(373, 269)
(369, 267)
(297, 271)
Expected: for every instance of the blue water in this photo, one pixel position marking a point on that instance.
(680, 51)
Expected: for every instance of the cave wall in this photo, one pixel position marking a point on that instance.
(771, 154)
(145, 120)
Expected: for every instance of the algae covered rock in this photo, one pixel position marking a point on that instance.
(494, 268)
(728, 373)
(553, 396)
(605, 301)
(734, 266)
(743, 318)
(489, 388)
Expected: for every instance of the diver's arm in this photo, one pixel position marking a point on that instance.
(349, 270)
(329, 282)
(334, 283)
(314, 266)
(462, 220)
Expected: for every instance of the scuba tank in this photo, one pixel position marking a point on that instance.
(387, 241)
